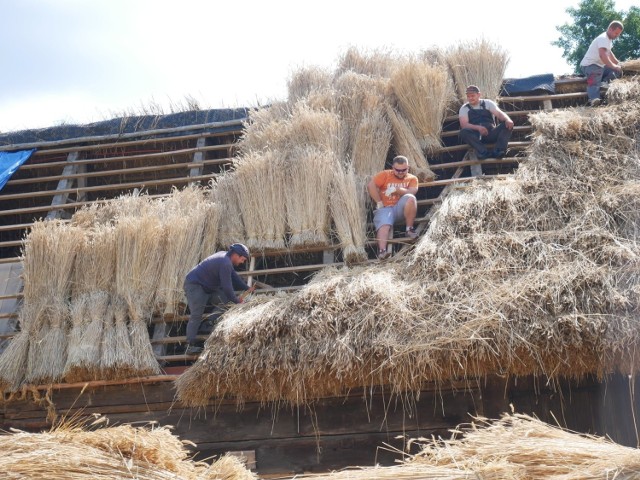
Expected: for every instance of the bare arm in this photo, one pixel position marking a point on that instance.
(609, 59)
(503, 117)
(374, 192)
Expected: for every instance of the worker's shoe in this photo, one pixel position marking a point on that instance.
(411, 233)
(383, 254)
(192, 349)
(484, 155)
(595, 102)
(206, 327)
(498, 153)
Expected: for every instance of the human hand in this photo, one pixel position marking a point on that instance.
(379, 205)
(483, 131)
(391, 189)
(509, 124)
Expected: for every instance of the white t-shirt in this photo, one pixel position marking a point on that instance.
(592, 57)
(489, 105)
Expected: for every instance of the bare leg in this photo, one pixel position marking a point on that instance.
(382, 235)
(410, 209)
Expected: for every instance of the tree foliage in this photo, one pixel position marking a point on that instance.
(590, 19)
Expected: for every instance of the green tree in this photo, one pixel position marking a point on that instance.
(590, 19)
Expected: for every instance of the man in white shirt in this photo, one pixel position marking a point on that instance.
(599, 63)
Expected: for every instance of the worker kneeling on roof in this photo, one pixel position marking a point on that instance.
(213, 281)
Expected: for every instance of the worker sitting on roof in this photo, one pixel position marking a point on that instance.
(478, 125)
(210, 282)
(393, 192)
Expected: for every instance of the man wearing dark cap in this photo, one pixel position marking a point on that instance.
(478, 125)
(213, 281)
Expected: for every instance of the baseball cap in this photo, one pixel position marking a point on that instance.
(240, 249)
(473, 89)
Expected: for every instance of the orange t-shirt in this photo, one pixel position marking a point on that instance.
(386, 178)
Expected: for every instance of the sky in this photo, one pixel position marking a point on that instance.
(80, 61)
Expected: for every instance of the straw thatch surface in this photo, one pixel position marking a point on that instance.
(122, 452)
(631, 65)
(478, 63)
(536, 274)
(516, 447)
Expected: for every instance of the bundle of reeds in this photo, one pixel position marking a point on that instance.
(306, 81)
(373, 63)
(139, 254)
(348, 209)
(118, 359)
(422, 94)
(322, 130)
(183, 218)
(478, 63)
(14, 358)
(405, 143)
(70, 452)
(231, 225)
(631, 65)
(106, 213)
(95, 266)
(306, 192)
(210, 233)
(358, 95)
(623, 91)
(371, 143)
(85, 349)
(261, 185)
(266, 128)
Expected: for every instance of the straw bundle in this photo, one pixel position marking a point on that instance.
(95, 266)
(183, 217)
(405, 143)
(631, 65)
(85, 353)
(348, 210)
(309, 174)
(124, 451)
(357, 96)
(260, 180)
(265, 129)
(371, 143)
(95, 214)
(422, 94)
(479, 63)
(320, 129)
(231, 225)
(306, 81)
(622, 91)
(14, 358)
(373, 63)
(118, 361)
(211, 228)
(48, 355)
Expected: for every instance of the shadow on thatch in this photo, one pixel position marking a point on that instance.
(536, 274)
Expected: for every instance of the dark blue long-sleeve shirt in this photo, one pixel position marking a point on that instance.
(217, 272)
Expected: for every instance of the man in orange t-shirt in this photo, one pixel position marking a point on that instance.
(394, 193)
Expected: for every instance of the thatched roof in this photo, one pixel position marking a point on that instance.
(536, 274)
(122, 452)
(514, 447)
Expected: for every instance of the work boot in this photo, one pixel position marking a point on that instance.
(595, 102)
(411, 233)
(484, 155)
(206, 327)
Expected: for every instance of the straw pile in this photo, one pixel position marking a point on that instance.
(306, 82)
(477, 63)
(371, 142)
(514, 447)
(373, 63)
(535, 275)
(122, 452)
(631, 65)
(421, 92)
(230, 225)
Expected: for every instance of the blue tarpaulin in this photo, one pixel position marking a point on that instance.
(10, 162)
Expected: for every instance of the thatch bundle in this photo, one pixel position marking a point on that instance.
(306, 82)
(422, 94)
(120, 452)
(322, 130)
(374, 63)
(536, 275)
(230, 225)
(405, 143)
(261, 180)
(371, 142)
(306, 193)
(477, 63)
(516, 447)
(348, 209)
(631, 65)
(266, 128)
(211, 230)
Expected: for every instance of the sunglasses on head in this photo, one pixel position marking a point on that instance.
(400, 170)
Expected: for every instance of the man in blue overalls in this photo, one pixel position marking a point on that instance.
(478, 125)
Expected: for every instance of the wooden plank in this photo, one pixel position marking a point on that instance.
(63, 186)
(198, 157)
(460, 148)
(104, 138)
(454, 133)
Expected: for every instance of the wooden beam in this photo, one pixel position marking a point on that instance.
(64, 185)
